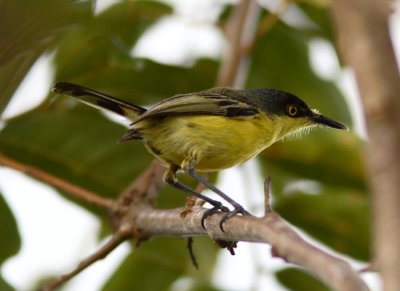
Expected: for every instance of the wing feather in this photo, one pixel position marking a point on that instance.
(99, 100)
(207, 103)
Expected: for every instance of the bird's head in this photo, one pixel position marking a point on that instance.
(288, 113)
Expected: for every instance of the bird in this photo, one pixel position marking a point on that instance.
(207, 131)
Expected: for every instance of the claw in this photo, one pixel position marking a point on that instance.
(228, 214)
(213, 210)
(238, 210)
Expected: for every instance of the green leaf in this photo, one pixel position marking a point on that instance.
(98, 56)
(9, 231)
(4, 286)
(11, 242)
(26, 25)
(338, 218)
(319, 14)
(103, 45)
(80, 146)
(145, 82)
(29, 28)
(296, 279)
(327, 156)
(157, 264)
(12, 74)
(76, 144)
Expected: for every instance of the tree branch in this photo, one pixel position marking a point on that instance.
(364, 40)
(272, 18)
(270, 229)
(57, 182)
(143, 222)
(118, 238)
(240, 31)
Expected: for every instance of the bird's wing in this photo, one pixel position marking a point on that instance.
(99, 100)
(203, 103)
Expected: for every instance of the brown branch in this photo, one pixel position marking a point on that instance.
(142, 191)
(267, 195)
(364, 40)
(57, 182)
(272, 18)
(241, 29)
(118, 238)
(271, 229)
(142, 222)
(242, 32)
(144, 188)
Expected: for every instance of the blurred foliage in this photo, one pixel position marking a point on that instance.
(29, 28)
(157, 264)
(296, 279)
(79, 144)
(336, 218)
(12, 243)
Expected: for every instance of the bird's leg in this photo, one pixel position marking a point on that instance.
(171, 179)
(188, 167)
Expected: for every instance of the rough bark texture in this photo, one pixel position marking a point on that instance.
(271, 229)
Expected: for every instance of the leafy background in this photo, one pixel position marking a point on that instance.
(78, 144)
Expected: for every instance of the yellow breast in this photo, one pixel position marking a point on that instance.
(215, 142)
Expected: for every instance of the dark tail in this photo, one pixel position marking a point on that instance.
(99, 100)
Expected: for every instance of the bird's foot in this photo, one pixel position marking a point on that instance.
(237, 210)
(228, 213)
(211, 211)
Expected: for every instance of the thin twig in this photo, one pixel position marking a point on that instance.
(272, 18)
(369, 268)
(143, 190)
(243, 31)
(240, 30)
(145, 187)
(118, 238)
(57, 182)
(267, 195)
(191, 201)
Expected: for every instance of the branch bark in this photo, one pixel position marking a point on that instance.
(144, 222)
(364, 41)
(59, 183)
(270, 229)
(138, 219)
(241, 30)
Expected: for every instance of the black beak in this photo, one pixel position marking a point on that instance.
(323, 120)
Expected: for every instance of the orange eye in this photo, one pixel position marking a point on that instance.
(292, 110)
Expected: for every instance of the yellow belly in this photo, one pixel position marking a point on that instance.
(215, 142)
